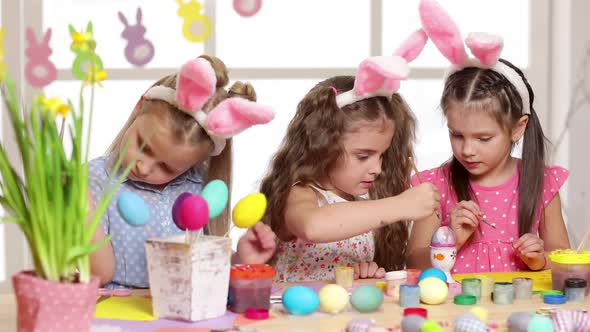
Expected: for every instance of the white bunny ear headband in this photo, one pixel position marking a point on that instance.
(195, 85)
(381, 75)
(486, 48)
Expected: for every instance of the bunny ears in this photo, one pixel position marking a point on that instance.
(195, 85)
(440, 27)
(381, 75)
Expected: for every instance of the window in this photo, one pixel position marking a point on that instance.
(283, 51)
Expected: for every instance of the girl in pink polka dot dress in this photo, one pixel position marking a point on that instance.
(505, 212)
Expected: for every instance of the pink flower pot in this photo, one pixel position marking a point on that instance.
(50, 306)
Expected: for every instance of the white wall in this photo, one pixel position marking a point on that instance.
(570, 94)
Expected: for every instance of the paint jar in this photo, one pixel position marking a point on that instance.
(487, 286)
(566, 264)
(394, 281)
(503, 293)
(471, 286)
(575, 289)
(344, 275)
(250, 286)
(409, 296)
(523, 288)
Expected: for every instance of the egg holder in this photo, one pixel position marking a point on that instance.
(189, 274)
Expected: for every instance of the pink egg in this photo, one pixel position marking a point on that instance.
(176, 209)
(194, 213)
(443, 237)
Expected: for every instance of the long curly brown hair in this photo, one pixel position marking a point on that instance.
(312, 145)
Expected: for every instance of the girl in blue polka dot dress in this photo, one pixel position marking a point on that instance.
(184, 123)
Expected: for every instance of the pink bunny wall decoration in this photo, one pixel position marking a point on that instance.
(39, 70)
(139, 51)
(247, 8)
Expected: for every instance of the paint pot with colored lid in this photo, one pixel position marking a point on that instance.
(575, 288)
(250, 286)
(566, 264)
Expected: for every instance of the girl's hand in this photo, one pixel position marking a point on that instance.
(465, 220)
(368, 270)
(420, 201)
(257, 246)
(531, 250)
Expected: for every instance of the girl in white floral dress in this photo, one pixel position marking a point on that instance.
(347, 139)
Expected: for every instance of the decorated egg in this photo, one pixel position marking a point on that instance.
(249, 210)
(480, 313)
(412, 323)
(300, 300)
(433, 290)
(430, 326)
(541, 324)
(468, 322)
(216, 194)
(443, 237)
(333, 298)
(367, 298)
(359, 325)
(176, 209)
(433, 272)
(133, 209)
(194, 213)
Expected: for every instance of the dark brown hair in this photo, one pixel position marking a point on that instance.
(312, 146)
(489, 91)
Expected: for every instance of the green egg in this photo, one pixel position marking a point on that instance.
(216, 194)
(367, 298)
(540, 324)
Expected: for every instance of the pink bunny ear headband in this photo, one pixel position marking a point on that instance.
(381, 75)
(440, 27)
(195, 84)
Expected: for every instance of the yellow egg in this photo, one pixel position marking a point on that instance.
(433, 290)
(480, 313)
(333, 298)
(249, 210)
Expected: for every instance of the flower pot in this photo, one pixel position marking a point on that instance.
(51, 306)
(189, 281)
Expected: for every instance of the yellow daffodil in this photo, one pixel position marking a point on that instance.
(53, 105)
(95, 76)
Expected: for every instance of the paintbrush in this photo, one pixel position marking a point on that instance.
(420, 181)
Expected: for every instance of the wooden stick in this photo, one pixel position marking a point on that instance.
(420, 181)
(584, 240)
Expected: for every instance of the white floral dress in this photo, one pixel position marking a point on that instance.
(297, 260)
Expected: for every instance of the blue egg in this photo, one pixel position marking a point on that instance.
(216, 194)
(367, 298)
(300, 300)
(133, 209)
(433, 272)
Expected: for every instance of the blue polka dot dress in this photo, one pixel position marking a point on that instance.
(128, 241)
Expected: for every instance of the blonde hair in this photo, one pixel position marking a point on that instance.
(187, 130)
(312, 145)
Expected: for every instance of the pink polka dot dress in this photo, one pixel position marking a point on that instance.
(489, 249)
